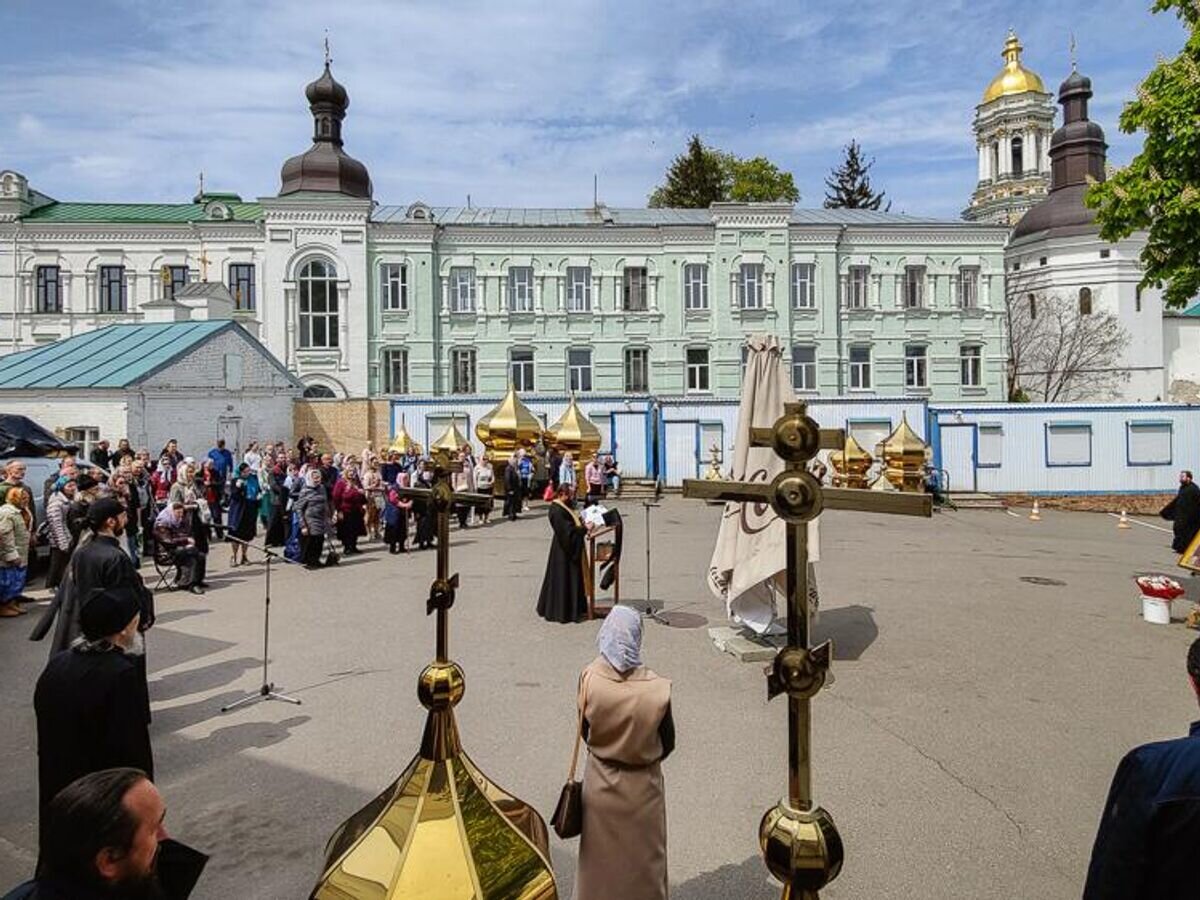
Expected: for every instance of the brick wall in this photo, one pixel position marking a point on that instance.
(345, 425)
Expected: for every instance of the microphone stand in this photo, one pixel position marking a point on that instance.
(650, 612)
(267, 690)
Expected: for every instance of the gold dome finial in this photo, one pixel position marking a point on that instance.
(1014, 78)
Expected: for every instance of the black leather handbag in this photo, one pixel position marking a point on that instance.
(567, 820)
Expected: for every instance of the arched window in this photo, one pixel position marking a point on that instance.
(318, 305)
(1032, 306)
(1018, 165)
(1085, 301)
(319, 392)
(995, 161)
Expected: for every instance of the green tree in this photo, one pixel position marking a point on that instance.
(1159, 190)
(695, 179)
(850, 183)
(703, 175)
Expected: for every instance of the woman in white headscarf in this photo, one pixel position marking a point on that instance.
(629, 731)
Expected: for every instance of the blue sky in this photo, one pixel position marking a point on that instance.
(518, 104)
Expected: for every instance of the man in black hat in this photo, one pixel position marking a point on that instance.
(91, 700)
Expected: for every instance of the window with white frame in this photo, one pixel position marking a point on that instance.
(991, 445)
(1085, 301)
(85, 436)
(916, 366)
(520, 369)
(241, 285)
(914, 287)
(462, 289)
(695, 286)
(1068, 444)
(697, 370)
(520, 289)
(49, 289)
(112, 289)
(393, 287)
(966, 287)
(1148, 443)
(318, 295)
(637, 370)
(579, 369)
(395, 370)
(804, 285)
(858, 280)
(860, 368)
(173, 278)
(750, 286)
(634, 294)
(579, 288)
(462, 370)
(970, 362)
(804, 368)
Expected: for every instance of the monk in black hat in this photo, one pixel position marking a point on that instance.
(91, 699)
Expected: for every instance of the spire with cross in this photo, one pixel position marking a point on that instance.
(800, 843)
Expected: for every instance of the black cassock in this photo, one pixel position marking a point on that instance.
(563, 597)
(1184, 511)
(91, 715)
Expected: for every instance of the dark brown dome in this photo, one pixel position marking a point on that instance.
(325, 166)
(327, 89)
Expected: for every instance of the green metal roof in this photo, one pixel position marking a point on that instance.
(112, 357)
(138, 212)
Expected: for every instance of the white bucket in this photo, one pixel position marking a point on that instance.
(1156, 611)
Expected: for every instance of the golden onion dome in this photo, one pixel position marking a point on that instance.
(402, 441)
(574, 433)
(452, 440)
(509, 426)
(1014, 78)
(904, 455)
(850, 464)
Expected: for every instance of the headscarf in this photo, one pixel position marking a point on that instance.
(312, 477)
(620, 638)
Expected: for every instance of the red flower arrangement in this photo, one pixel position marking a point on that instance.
(1160, 587)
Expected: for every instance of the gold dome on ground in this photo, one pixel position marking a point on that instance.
(509, 425)
(904, 456)
(574, 433)
(452, 440)
(1014, 78)
(402, 441)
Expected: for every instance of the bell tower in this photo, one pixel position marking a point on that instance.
(1013, 125)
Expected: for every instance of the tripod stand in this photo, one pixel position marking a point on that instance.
(650, 612)
(267, 690)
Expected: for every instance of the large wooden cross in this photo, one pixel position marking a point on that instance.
(801, 845)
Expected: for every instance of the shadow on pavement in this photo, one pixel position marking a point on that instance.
(201, 679)
(852, 629)
(746, 881)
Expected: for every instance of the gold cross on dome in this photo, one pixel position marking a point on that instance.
(800, 842)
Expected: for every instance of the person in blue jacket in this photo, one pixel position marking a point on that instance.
(1151, 822)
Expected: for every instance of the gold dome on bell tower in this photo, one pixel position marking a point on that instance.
(1014, 78)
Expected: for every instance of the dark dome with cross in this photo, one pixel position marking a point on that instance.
(325, 166)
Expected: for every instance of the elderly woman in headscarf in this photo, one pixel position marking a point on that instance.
(60, 536)
(626, 722)
(312, 512)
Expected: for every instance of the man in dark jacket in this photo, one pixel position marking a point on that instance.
(99, 455)
(90, 700)
(1184, 511)
(1151, 821)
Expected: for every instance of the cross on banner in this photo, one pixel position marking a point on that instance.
(801, 845)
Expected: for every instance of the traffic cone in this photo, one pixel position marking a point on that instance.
(1123, 522)
(1035, 514)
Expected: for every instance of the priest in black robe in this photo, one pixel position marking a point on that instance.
(564, 591)
(1184, 511)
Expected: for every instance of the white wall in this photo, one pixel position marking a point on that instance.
(1181, 349)
(54, 410)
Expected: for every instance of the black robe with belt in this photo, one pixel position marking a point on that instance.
(90, 707)
(564, 596)
(1184, 511)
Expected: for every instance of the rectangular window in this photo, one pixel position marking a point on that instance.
(49, 290)
(520, 289)
(991, 445)
(856, 287)
(869, 433)
(695, 286)
(112, 289)
(462, 371)
(971, 366)
(1148, 443)
(393, 286)
(86, 436)
(637, 370)
(860, 368)
(173, 278)
(579, 369)
(233, 371)
(462, 289)
(241, 285)
(520, 367)
(579, 289)
(697, 369)
(966, 287)
(803, 285)
(916, 366)
(395, 371)
(750, 286)
(635, 289)
(804, 368)
(1068, 444)
(914, 287)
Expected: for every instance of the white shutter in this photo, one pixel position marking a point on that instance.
(1069, 444)
(1149, 443)
(991, 443)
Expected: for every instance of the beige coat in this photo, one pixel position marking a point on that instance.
(14, 537)
(623, 847)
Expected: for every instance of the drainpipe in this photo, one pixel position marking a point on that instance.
(837, 307)
(15, 340)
